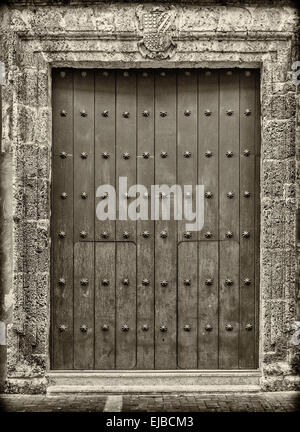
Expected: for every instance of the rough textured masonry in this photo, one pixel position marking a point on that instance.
(34, 38)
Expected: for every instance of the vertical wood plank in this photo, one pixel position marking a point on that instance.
(208, 250)
(62, 221)
(105, 117)
(208, 305)
(247, 219)
(105, 305)
(229, 220)
(84, 217)
(187, 253)
(84, 305)
(145, 245)
(257, 213)
(187, 305)
(125, 305)
(126, 145)
(165, 248)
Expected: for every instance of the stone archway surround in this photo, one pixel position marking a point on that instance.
(30, 52)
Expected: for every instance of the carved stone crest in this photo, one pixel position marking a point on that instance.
(157, 25)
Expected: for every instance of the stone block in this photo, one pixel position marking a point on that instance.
(278, 139)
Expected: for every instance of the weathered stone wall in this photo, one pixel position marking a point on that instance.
(36, 38)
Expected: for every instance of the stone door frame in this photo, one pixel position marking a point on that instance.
(30, 138)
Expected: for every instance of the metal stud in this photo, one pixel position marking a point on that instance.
(83, 328)
(126, 234)
(187, 113)
(84, 282)
(125, 281)
(187, 328)
(64, 195)
(163, 154)
(229, 72)
(105, 282)
(247, 73)
(247, 194)
(249, 327)
(146, 234)
(146, 155)
(63, 155)
(246, 152)
(246, 234)
(105, 73)
(144, 74)
(228, 282)
(230, 195)
(145, 327)
(187, 73)
(126, 155)
(229, 153)
(126, 195)
(187, 154)
(208, 194)
(209, 282)
(83, 113)
(164, 234)
(208, 154)
(61, 282)
(229, 112)
(62, 234)
(187, 234)
(62, 328)
(83, 74)
(188, 195)
(247, 281)
(164, 283)
(105, 327)
(126, 114)
(125, 328)
(105, 155)
(146, 113)
(163, 328)
(187, 282)
(145, 282)
(229, 327)
(126, 74)
(104, 195)
(84, 155)
(208, 73)
(229, 234)
(163, 195)
(163, 113)
(63, 74)
(208, 234)
(208, 327)
(163, 74)
(146, 195)
(247, 113)
(84, 195)
(207, 112)
(105, 234)
(105, 113)
(63, 113)
(83, 234)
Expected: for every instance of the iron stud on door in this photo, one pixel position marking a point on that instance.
(61, 282)
(187, 282)
(105, 282)
(187, 328)
(63, 155)
(145, 282)
(125, 328)
(62, 328)
(208, 154)
(105, 327)
(163, 328)
(208, 328)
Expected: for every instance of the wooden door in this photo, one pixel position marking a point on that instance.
(148, 294)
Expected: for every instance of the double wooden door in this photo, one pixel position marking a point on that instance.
(148, 294)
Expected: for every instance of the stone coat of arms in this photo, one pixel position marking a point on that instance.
(158, 25)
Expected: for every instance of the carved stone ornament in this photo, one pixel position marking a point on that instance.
(157, 25)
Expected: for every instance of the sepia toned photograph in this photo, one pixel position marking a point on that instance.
(149, 210)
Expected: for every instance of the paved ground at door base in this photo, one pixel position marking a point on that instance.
(260, 402)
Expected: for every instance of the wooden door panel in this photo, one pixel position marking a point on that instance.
(62, 221)
(149, 294)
